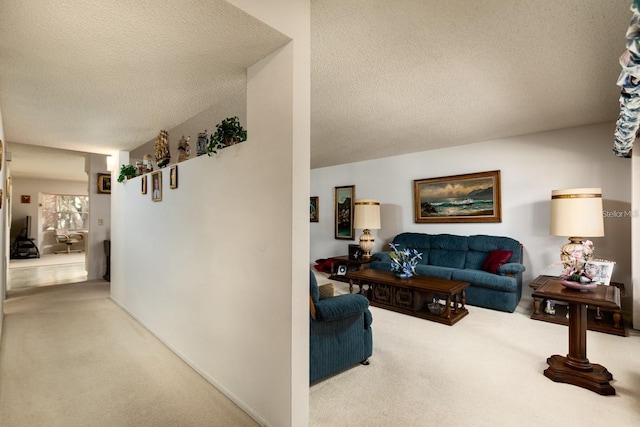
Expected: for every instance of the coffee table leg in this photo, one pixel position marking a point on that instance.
(464, 299)
(447, 309)
(350, 285)
(456, 301)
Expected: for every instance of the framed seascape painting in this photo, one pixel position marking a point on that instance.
(313, 209)
(344, 199)
(473, 197)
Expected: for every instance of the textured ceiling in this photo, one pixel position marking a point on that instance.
(33, 161)
(99, 76)
(388, 77)
(394, 77)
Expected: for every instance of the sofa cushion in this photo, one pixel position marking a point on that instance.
(445, 258)
(435, 271)
(495, 259)
(327, 291)
(483, 279)
(486, 244)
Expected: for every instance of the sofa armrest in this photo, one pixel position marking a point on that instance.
(510, 268)
(340, 306)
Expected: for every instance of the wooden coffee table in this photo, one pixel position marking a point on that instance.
(575, 368)
(412, 296)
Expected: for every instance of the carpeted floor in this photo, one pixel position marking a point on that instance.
(71, 357)
(487, 370)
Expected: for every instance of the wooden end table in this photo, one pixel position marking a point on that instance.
(412, 295)
(350, 264)
(575, 368)
(607, 321)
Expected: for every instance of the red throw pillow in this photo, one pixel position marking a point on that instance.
(495, 259)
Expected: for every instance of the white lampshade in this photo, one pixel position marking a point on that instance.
(577, 212)
(367, 214)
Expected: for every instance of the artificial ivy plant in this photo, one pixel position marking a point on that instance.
(228, 132)
(127, 172)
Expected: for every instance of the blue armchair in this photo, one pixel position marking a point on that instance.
(340, 332)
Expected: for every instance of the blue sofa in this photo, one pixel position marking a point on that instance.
(340, 333)
(455, 257)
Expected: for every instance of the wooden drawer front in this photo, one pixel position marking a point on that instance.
(383, 294)
(404, 298)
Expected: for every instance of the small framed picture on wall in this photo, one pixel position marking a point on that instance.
(156, 186)
(143, 189)
(173, 176)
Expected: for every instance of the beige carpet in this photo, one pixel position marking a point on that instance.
(487, 370)
(71, 357)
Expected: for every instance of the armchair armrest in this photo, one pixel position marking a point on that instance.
(340, 306)
(510, 268)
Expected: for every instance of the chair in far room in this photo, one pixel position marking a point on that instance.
(64, 236)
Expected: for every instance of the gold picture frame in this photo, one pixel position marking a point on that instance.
(173, 177)
(473, 197)
(143, 188)
(344, 200)
(313, 209)
(104, 183)
(156, 186)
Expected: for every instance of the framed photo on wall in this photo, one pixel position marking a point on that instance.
(104, 183)
(143, 188)
(473, 197)
(313, 209)
(156, 186)
(344, 200)
(173, 176)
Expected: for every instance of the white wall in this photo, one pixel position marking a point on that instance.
(33, 187)
(99, 218)
(4, 226)
(218, 268)
(635, 250)
(531, 167)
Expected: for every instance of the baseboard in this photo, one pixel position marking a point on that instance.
(222, 389)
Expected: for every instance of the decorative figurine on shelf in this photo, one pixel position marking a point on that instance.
(147, 161)
(163, 157)
(550, 308)
(184, 151)
(201, 147)
(140, 167)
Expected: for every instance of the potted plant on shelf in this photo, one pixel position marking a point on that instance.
(228, 132)
(127, 172)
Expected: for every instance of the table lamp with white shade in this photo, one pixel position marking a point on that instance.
(367, 218)
(576, 213)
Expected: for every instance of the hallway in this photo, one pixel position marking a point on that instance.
(70, 356)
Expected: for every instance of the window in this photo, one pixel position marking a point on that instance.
(64, 211)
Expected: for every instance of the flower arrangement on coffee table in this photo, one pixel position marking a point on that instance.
(404, 261)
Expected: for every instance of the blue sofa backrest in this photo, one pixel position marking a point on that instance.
(449, 250)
